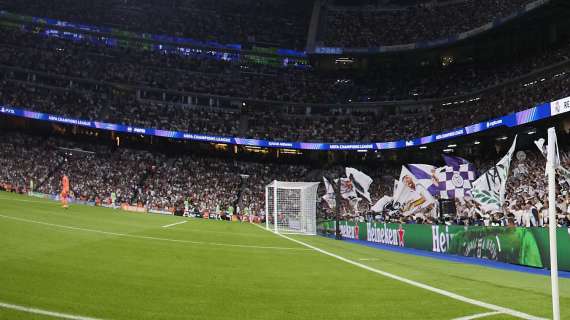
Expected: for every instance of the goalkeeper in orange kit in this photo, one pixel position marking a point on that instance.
(64, 191)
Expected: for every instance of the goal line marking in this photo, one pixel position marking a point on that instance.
(479, 315)
(442, 292)
(44, 312)
(126, 235)
(174, 224)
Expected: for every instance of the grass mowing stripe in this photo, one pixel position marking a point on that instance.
(153, 238)
(42, 201)
(479, 315)
(442, 292)
(194, 221)
(174, 224)
(44, 312)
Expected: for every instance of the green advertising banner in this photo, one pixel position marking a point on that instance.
(522, 246)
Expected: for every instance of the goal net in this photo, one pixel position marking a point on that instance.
(291, 207)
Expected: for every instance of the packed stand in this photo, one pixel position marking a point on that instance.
(201, 74)
(142, 178)
(526, 201)
(373, 27)
(128, 87)
(125, 108)
(159, 182)
(277, 23)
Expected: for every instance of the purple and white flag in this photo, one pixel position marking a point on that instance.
(449, 182)
(456, 178)
(456, 182)
(427, 176)
(453, 161)
(411, 196)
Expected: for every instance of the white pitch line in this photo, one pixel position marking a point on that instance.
(442, 292)
(44, 312)
(126, 235)
(174, 224)
(191, 230)
(479, 315)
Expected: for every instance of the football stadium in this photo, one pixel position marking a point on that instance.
(285, 159)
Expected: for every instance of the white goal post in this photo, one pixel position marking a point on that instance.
(291, 207)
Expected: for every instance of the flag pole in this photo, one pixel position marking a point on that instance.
(552, 221)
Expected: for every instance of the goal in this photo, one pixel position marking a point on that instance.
(291, 207)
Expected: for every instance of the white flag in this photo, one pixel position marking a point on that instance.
(563, 172)
(360, 181)
(428, 176)
(411, 196)
(381, 204)
(347, 190)
(329, 196)
(544, 148)
(489, 189)
(540, 145)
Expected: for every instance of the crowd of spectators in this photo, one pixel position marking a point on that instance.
(88, 82)
(137, 177)
(127, 86)
(125, 108)
(163, 182)
(198, 74)
(375, 26)
(277, 23)
(526, 200)
(25, 158)
(119, 109)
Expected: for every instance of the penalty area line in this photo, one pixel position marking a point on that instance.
(174, 224)
(442, 292)
(44, 312)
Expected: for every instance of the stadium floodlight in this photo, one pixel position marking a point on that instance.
(291, 207)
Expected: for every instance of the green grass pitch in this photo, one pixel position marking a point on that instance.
(109, 264)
